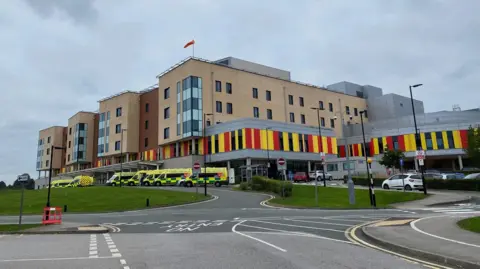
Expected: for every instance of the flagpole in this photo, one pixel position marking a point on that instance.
(193, 50)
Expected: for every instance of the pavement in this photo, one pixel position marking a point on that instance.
(234, 230)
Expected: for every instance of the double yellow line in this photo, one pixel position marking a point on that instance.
(350, 234)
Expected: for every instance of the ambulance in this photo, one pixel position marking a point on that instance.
(61, 183)
(166, 177)
(81, 181)
(125, 180)
(217, 176)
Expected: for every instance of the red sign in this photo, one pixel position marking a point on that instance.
(281, 161)
(196, 165)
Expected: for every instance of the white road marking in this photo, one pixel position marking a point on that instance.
(92, 250)
(126, 267)
(256, 239)
(54, 259)
(112, 246)
(412, 224)
(319, 222)
(116, 255)
(122, 261)
(299, 226)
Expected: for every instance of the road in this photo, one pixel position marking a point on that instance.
(235, 230)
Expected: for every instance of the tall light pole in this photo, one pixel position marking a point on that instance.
(417, 136)
(205, 145)
(268, 152)
(121, 154)
(52, 149)
(368, 161)
(322, 149)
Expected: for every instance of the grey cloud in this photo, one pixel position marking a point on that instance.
(82, 11)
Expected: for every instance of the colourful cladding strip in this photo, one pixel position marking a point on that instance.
(360, 150)
(401, 142)
(464, 138)
(296, 147)
(424, 141)
(264, 143)
(434, 140)
(334, 145)
(384, 142)
(406, 139)
(248, 138)
(329, 145)
(200, 146)
(271, 140)
(258, 141)
(341, 151)
(354, 150)
(221, 142)
(228, 141)
(324, 144)
(371, 148)
(316, 148)
(457, 140)
(285, 141)
(237, 145)
(185, 148)
(413, 142)
(389, 142)
(276, 140)
(445, 140)
(310, 144)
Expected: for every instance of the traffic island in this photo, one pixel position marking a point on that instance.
(64, 228)
(398, 236)
(470, 224)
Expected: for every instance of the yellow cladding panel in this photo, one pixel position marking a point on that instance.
(237, 146)
(221, 142)
(457, 140)
(325, 144)
(434, 140)
(263, 137)
(315, 144)
(445, 140)
(212, 144)
(376, 150)
(296, 146)
(384, 142)
(200, 146)
(167, 152)
(285, 141)
(270, 140)
(413, 143)
(244, 138)
(334, 145)
(252, 135)
(407, 142)
(424, 142)
(360, 147)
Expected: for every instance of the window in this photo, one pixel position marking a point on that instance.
(147, 107)
(118, 128)
(146, 125)
(269, 114)
(322, 121)
(117, 145)
(347, 110)
(46, 163)
(331, 167)
(355, 111)
(428, 140)
(229, 108)
(208, 123)
(166, 113)
(81, 140)
(302, 118)
(346, 166)
(68, 158)
(292, 117)
(440, 142)
(48, 151)
(256, 114)
(268, 95)
(332, 123)
(451, 143)
(146, 142)
(255, 93)
(330, 107)
(219, 107)
(118, 112)
(166, 133)
(70, 131)
(229, 88)
(320, 104)
(48, 140)
(300, 99)
(218, 86)
(166, 93)
(290, 99)
(69, 144)
(365, 114)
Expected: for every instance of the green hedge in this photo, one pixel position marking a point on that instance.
(440, 184)
(282, 188)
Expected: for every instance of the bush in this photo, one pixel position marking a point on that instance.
(440, 184)
(244, 186)
(282, 188)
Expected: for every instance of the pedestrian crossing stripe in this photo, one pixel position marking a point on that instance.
(166, 222)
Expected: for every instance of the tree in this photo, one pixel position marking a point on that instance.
(3, 185)
(391, 158)
(473, 147)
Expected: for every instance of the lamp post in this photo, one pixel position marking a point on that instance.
(205, 145)
(417, 136)
(268, 152)
(52, 149)
(121, 154)
(368, 163)
(321, 151)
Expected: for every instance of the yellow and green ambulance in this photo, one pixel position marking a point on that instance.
(217, 176)
(126, 179)
(61, 183)
(81, 181)
(166, 177)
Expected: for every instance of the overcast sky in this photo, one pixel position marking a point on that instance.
(61, 56)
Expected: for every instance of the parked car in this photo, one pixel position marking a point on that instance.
(318, 175)
(300, 177)
(472, 176)
(409, 181)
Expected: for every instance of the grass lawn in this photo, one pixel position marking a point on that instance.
(304, 196)
(470, 224)
(93, 199)
(14, 227)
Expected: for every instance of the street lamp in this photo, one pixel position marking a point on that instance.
(368, 163)
(52, 149)
(417, 135)
(268, 152)
(322, 150)
(121, 154)
(205, 145)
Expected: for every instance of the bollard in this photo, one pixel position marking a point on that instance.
(148, 202)
(64, 208)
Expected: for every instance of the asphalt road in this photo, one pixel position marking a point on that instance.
(232, 231)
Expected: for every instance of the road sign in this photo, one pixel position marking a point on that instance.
(281, 164)
(420, 162)
(23, 177)
(196, 168)
(401, 162)
(420, 154)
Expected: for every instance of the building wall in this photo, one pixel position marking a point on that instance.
(129, 102)
(391, 106)
(149, 99)
(53, 136)
(87, 118)
(254, 67)
(242, 100)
